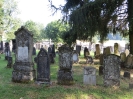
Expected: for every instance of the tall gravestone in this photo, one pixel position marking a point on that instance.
(111, 70)
(116, 49)
(43, 67)
(65, 65)
(1, 46)
(53, 50)
(97, 53)
(86, 52)
(51, 58)
(23, 68)
(14, 45)
(7, 51)
(78, 49)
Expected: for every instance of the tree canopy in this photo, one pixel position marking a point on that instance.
(36, 29)
(55, 30)
(91, 17)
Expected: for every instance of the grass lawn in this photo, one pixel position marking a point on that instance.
(11, 90)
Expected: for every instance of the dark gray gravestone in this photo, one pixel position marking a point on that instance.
(111, 70)
(51, 58)
(86, 52)
(7, 51)
(9, 64)
(34, 51)
(65, 65)
(78, 49)
(14, 45)
(126, 74)
(53, 50)
(23, 68)
(43, 67)
(1, 46)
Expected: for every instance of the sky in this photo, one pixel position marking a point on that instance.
(38, 10)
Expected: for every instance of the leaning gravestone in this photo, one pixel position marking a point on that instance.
(111, 70)
(65, 65)
(43, 67)
(23, 69)
(75, 57)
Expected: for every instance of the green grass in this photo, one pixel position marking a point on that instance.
(11, 90)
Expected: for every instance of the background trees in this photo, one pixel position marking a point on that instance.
(36, 29)
(54, 31)
(88, 18)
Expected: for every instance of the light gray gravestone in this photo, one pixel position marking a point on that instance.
(111, 70)
(75, 57)
(89, 75)
(23, 68)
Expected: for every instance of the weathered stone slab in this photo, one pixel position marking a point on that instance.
(23, 68)
(65, 65)
(111, 70)
(43, 66)
(89, 75)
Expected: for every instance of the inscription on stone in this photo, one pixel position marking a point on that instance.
(23, 53)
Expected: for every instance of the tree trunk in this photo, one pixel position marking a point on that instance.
(130, 19)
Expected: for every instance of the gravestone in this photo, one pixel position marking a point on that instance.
(126, 74)
(43, 67)
(100, 70)
(129, 61)
(106, 51)
(14, 45)
(97, 47)
(78, 49)
(23, 68)
(116, 49)
(51, 58)
(9, 64)
(111, 70)
(65, 65)
(86, 52)
(34, 51)
(7, 51)
(127, 52)
(89, 59)
(53, 50)
(89, 75)
(1, 46)
(123, 59)
(75, 57)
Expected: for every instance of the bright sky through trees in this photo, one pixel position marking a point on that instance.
(38, 10)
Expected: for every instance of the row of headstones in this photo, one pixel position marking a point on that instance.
(23, 68)
(24, 71)
(110, 71)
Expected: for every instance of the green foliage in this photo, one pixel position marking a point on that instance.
(55, 30)
(36, 29)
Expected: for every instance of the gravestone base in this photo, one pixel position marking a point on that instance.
(23, 72)
(112, 82)
(65, 77)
